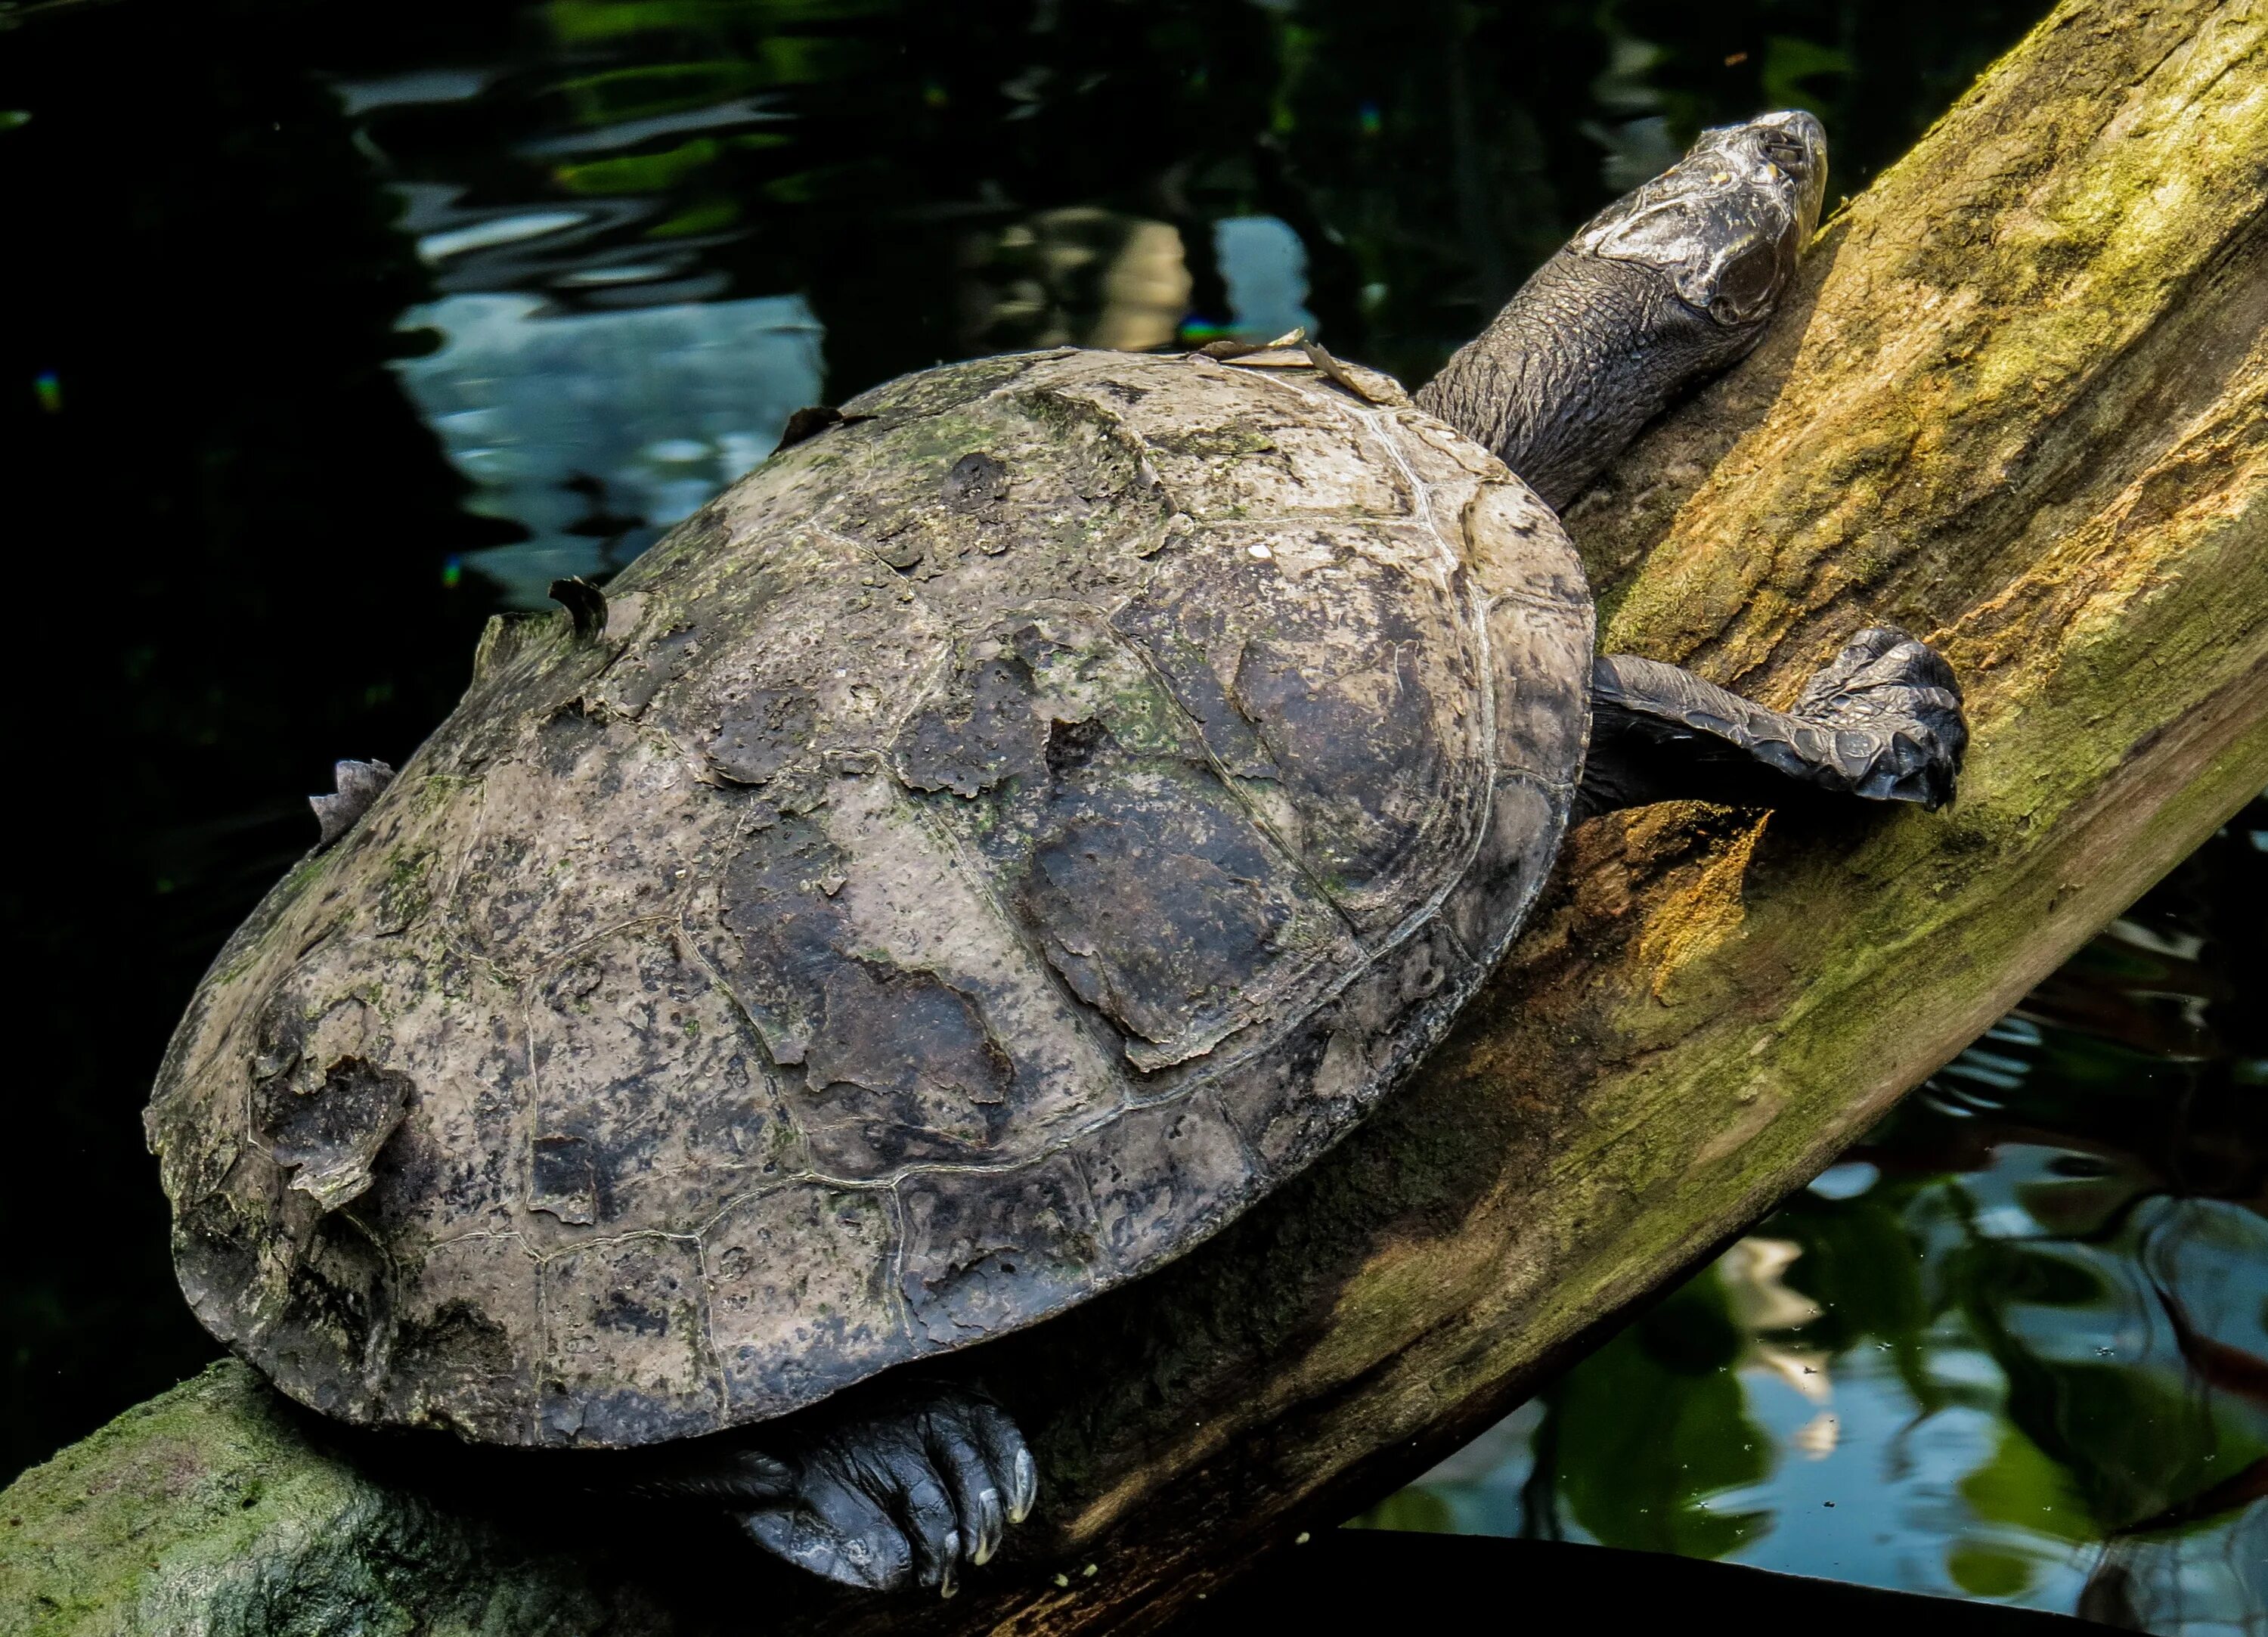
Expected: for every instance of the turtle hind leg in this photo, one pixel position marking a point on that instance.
(1882, 722)
(899, 1493)
(359, 785)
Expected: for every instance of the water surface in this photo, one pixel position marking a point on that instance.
(2013, 1346)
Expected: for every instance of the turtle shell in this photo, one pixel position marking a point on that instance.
(981, 853)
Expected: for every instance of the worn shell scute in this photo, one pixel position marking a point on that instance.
(978, 1244)
(651, 1096)
(983, 851)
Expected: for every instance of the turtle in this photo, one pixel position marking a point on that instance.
(1026, 819)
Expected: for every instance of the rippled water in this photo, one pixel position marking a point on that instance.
(2014, 1347)
(338, 330)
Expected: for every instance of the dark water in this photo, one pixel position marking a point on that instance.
(2014, 1345)
(330, 330)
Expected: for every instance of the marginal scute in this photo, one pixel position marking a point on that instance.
(983, 1250)
(1167, 1175)
(978, 855)
(1508, 535)
(334, 1315)
(800, 1297)
(459, 1359)
(1484, 910)
(1542, 699)
(627, 1358)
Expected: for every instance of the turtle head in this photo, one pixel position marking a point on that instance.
(1724, 223)
(1662, 290)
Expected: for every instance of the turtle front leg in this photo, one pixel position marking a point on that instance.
(1883, 722)
(898, 1493)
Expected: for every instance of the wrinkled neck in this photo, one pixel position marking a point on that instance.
(1587, 352)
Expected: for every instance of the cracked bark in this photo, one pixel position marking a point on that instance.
(2020, 407)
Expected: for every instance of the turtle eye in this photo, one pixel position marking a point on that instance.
(1746, 285)
(1787, 153)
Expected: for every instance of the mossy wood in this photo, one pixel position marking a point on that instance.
(2020, 407)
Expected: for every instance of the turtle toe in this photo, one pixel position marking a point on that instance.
(900, 1494)
(840, 1534)
(1901, 694)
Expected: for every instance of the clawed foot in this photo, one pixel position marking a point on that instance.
(1887, 683)
(359, 785)
(901, 1494)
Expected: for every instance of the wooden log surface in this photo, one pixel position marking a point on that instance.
(2018, 407)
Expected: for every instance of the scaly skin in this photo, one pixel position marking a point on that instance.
(1883, 721)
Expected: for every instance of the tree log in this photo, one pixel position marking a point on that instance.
(2020, 406)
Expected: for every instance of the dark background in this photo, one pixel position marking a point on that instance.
(235, 541)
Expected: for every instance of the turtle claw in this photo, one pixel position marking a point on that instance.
(868, 1554)
(902, 1496)
(1901, 695)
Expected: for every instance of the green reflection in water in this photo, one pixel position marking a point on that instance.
(940, 182)
(2014, 1347)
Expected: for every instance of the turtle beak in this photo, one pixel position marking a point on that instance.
(1795, 143)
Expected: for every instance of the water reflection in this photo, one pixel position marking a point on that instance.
(941, 182)
(1078, 275)
(596, 431)
(1264, 266)
(602, 362)
(2014, 1346)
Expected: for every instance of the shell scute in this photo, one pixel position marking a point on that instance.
(626, 1354)
(1166, 909)
(1334, 677)
(464, 1351)
(1227, 443)
(801, 1296)
(1515, 855)
(987, 1250)
(1541, 686)
(1167, 1175)
(459, 1037)
(458, 1350)
(540, 879)
(652, 1098)
(1066, 507)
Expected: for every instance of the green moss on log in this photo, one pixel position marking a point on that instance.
(207, 1512)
